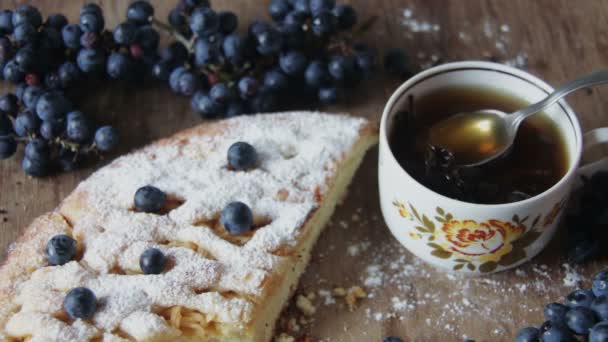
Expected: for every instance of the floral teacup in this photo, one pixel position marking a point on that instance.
(467, 237)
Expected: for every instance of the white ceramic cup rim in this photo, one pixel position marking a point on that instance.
(574, 159)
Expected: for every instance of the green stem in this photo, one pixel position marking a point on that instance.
(171, 31)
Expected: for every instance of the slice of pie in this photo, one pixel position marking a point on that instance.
(175, 263)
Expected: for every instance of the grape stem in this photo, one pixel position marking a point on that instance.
(171, 31)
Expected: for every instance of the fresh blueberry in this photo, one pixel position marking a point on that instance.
(341, 67)
(162, 70)
(293, 63)
(152, 261)
(24, 34)
(317, 6)
(176, 18)
(188, 83)
(60, 249)
(347, 16)
(56, 21)
(71, 36)
(205, 52)
(237, 218)
(67, 160)
(106, 138)
(52, 106)
(79, 129)
(6, 126)
(69, 74)
(91, 22)
(278, 9)
(220, 92)
(8, 147)
(580, 320)
(91, 8)
(119, 66)
(35, 168)
(248, 87)
(242, 156)
(599, 332)
(205, 106)
(232, 46)
(600, 283)
(91, 61)
(20, 89)
(204, 21)
(580, 297)
(228, 22)
(263, 102)
(316, 74)
(301, 6)
(31, 96)
(175, 53)
(27, 58)
(6, 49)
(89, 40)
(51, 129)
(269, 41)
(324, 23)
(140, 12)
(365, 58)
(12, 72)
(6, 22)
(328, 95)
(174, 78)
(529, 334)
(276, 80)
(26, 123)
(125, 33)
(37, 149)
(147, 37)
(556, 312)
(235, 108)
(27, 14)
(392, 339)
(149, 199)
(395, 62)
(80, 303)
(52, 81)
(600, 307)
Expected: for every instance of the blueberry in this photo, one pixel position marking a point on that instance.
(235, 108)
(580, 320)
(205, 106)
(69, 74)
(392, 339)
(12, 72)
(91, 61)
(37, 150)
(228, 22)
(6, 22)
(6, 49)
(232, 46)
(140, 12)
(317, 6)
(188, 83)
(152, 261)
(242, 156)
(71, 36)
(24, 34)
(51, 129)
(60, 249)
(248, 87)
(6, 126)
(340, 67)
(147, 37)
(80, 303)
(149, 199)
(8, 147)
(125, 33)
(56, 21)
(176, 18)
(600, 307)
(27, 58)
(237, 218)
(395, 62)
(220, 92)
(600, 283)
(35, 168)
(27, 14)
(52, 81)
(557, 333)
(68, 160)
(52, 106)
(580, 297)
(599, 332)
(293, 63)
(328, 95)
(346, 15)
(301, 6)
(174, 78)
(162, 70)
(91, 8)
(316, 74)
(31, 96)
(276, 80)
(529, 334)
(119, 66)
(365, 57)
(556, 313)
(205, 53)
(204, 21)
(79, 129)
(269, 41)
(106, 138)
(91, 22)
(263, 102)
(175, 53)
(278, 9)
(20, 89)
(324, 24)
(26, 123)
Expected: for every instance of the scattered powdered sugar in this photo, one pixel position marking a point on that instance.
(357, 248)
(571, 277)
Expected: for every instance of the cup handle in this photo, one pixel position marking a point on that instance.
(593, 138)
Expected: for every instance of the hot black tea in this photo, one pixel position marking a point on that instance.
(537, 160)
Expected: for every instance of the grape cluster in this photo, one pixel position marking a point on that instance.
(306, 51)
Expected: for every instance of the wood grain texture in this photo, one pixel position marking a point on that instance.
(559, 38)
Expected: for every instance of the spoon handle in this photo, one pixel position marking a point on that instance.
(595, 78)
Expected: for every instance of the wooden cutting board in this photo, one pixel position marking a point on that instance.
(555, 39)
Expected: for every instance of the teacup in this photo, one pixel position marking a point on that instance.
(476, 238)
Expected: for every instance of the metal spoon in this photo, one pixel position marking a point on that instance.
(478, 137)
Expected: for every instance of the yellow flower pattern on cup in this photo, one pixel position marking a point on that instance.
(482, 246)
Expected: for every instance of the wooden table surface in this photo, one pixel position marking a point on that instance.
(554, 39)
